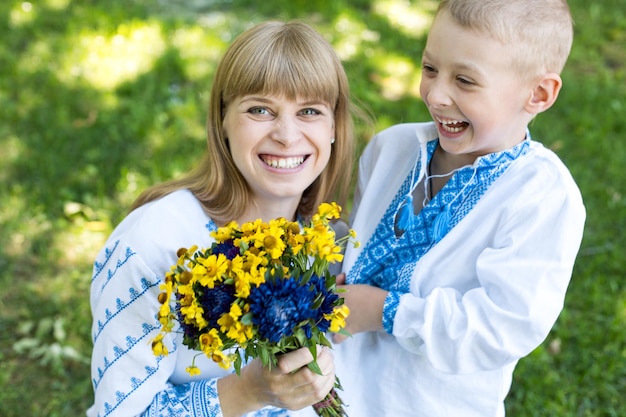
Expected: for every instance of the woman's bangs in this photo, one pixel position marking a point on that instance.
(286, 74)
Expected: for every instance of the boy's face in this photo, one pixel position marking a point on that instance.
(472, 90)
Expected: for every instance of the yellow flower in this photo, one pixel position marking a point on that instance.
(158, 348)
(236, 266)
(293, 238)
(329, 210)
(164, 317)
(331, 253)
(225, 233)
(163, 298)
(242, 286)
(255, 268)
(338, 318)
(321, 243)
(210, 342)
(270, 240)
(193, 370)
(234, 329)
(221, 359)
(184, 254)
(209, 270)
(193, 314)
(249, 231)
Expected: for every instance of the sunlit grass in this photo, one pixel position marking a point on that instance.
(107, 61)
(22, 14)
(411, 18)
(397, 77)
(200, 49)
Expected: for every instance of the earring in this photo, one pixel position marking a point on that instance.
(332, 140)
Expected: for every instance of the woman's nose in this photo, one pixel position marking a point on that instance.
(286, 129)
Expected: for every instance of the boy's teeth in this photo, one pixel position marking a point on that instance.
(452, 126)
(285, 163)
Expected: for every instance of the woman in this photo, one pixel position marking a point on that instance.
(279, 143)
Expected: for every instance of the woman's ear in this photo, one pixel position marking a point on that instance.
(544, 93)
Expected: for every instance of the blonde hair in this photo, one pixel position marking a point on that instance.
(540, 31)
(276, 58)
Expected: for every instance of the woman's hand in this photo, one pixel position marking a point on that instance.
(366, 307)
(290, 384)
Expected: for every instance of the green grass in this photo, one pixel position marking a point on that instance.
(101, 98)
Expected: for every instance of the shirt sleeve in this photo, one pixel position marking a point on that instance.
(522, 277)
(128, 379)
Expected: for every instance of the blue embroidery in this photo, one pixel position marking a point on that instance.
(390, 307)
(211, 226)
(205, 399)
(108, 252)
(120, 305)
(135, 383)
(111, 272)
(119, 352)
(388, 261)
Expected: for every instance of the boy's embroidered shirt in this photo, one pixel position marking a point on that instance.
(471, 304)
(387, 260)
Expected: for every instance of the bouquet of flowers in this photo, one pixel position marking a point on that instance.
(260, 290)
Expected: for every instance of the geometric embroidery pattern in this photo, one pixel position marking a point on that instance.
(387, 261)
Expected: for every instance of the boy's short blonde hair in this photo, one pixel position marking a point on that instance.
(540, 31)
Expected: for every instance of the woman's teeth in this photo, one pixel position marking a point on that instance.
(285, 163)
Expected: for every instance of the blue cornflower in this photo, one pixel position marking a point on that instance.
(279, 306)
(327, 306)
(215, 302)
(227, 248)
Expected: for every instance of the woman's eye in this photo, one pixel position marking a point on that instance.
(259, 111)
(310, 112)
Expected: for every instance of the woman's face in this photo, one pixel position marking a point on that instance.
(280, 146)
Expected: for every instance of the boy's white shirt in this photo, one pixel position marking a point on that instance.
(480, 299)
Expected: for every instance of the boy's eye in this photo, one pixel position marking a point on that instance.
(465, 81)
(428, 68)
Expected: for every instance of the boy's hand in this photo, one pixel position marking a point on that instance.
(366, 307)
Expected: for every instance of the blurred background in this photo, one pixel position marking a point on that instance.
(100, 99)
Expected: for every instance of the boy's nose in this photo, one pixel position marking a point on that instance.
(438, 94)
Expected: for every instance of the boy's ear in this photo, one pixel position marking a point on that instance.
(544, 93)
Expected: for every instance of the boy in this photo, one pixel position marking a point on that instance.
(469, 228)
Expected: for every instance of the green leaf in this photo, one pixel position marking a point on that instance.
(301, 337)
(307, 275)
(246, 319)
(313, 366)
(317, 302)
(264, 356)
(296, 272)
(323, 340)
(313, 350)
(237, 364)
(344, 332)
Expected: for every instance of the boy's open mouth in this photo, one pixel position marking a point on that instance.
(452, 126)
